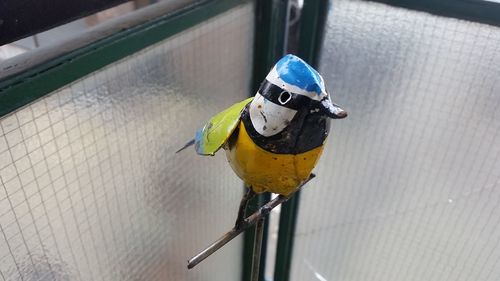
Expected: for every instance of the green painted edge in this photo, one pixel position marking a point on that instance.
(269, 45)
(312, 27)
(41, 80)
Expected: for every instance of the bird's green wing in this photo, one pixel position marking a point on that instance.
(218, 129)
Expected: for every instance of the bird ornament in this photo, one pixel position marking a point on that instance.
(273, 140)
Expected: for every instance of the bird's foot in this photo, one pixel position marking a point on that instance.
(240, 224)
(265, 210)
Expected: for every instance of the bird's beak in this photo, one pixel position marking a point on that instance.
(330, 109)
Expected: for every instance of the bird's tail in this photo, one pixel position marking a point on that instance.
(188, 144)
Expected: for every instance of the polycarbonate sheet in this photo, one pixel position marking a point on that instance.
(90, 186)
(409, 185)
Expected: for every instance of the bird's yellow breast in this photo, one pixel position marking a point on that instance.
(265, 171)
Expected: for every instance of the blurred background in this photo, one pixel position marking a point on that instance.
(96, 96)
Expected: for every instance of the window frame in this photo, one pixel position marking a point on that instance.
(481, 11)
(39, 80)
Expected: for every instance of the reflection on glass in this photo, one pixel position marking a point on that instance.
(69, 30)
(409, 187)
(90, 185)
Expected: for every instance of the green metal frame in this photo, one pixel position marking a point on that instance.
(26, 87)
(313, 20)
(269, 46)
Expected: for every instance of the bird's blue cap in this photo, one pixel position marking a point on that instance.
(294, 71)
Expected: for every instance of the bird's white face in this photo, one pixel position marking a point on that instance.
(291, 86)
(269, 118)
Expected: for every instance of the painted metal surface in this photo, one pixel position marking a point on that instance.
(280, 162)
(218, 129)
(295, 75)
(261, 168)
(265, 171)
(269, 118)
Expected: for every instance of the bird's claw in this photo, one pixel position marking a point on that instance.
(265, 210)
(241, 224)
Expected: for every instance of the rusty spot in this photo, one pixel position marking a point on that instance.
(275, 158)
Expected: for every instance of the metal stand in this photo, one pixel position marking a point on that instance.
(257, 247)
(256, 218)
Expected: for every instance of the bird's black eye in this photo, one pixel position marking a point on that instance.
(284, 97)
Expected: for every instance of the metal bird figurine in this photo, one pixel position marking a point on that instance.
(274, 139)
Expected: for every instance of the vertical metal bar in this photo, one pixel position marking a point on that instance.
(257, 247)
(286, 232)
(312, 23)
(265, 237)
(472, 10)
(249, 239)
(270, 37)
(270, 40)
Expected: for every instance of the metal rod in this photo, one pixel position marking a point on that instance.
(230, 235)
(250, 221)
(257, 247)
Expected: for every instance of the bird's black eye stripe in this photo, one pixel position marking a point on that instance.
(272, 93)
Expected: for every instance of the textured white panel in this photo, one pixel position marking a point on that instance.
(409, 185)
(90, 186)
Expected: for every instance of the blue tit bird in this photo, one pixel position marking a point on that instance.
(274, 139)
